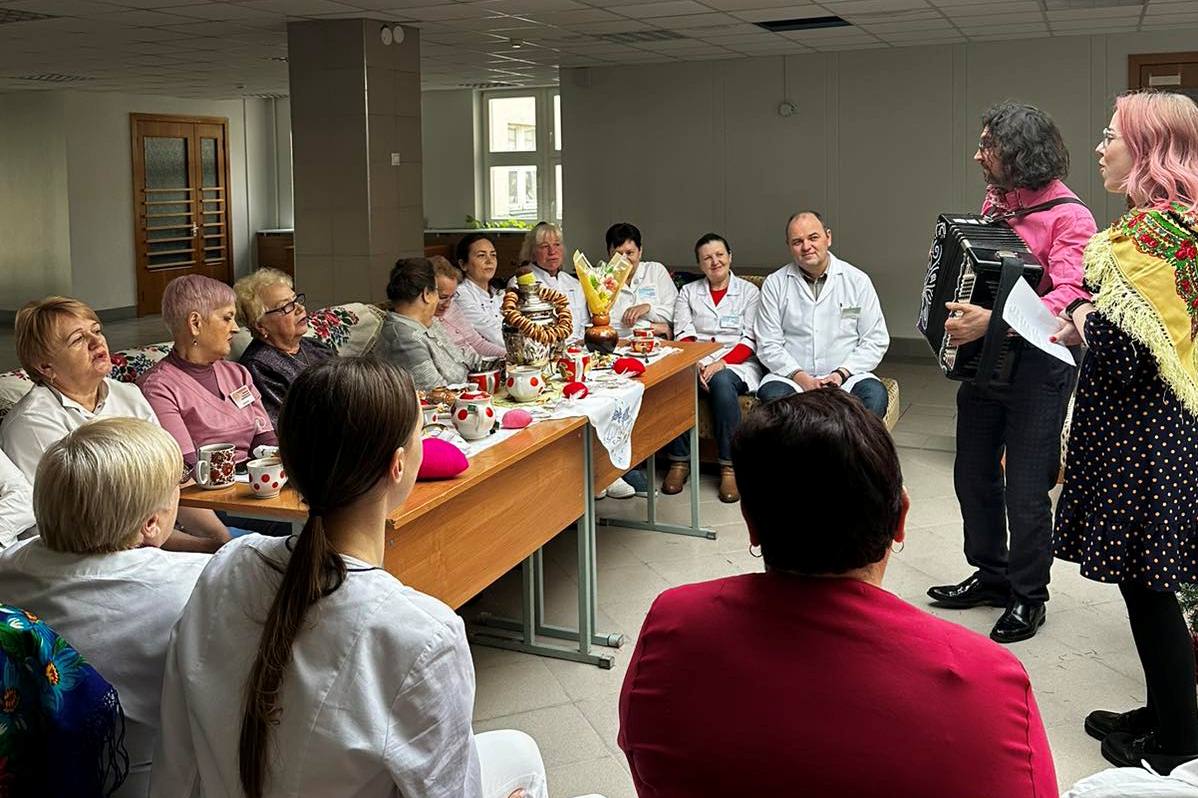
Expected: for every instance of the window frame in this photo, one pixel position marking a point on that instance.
(546, 158)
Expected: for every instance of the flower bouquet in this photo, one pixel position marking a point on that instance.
(601, 285)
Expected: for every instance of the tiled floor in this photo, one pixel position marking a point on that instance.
(1081, 660)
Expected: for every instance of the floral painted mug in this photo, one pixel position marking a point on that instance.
(215, 464)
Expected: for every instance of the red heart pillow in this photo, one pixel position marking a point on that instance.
(575, 390)
(631, 366)
(442, 460)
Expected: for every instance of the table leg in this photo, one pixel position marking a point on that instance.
(530, 625)
(651, 524)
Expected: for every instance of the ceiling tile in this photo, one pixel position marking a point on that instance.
(664, 8)
(845, 8)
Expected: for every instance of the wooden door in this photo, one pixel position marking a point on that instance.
(181, 202)
(1176, 72)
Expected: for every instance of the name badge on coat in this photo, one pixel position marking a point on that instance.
(729, 321)
(850, 313)
(646, 293)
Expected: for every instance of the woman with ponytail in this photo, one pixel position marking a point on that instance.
(300, 667)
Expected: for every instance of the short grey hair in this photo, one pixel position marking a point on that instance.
(95, 488)
(193, 293)
(249, 304)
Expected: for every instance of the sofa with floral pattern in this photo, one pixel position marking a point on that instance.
(351, 329)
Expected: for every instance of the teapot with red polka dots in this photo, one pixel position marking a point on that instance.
(474, 416)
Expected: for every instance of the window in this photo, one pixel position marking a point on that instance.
(523, 159)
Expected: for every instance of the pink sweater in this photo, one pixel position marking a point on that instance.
(195, 417)
(463, 333)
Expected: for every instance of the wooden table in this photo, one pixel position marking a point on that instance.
(453, 538)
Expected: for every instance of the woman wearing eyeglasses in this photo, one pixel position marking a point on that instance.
(274, 313)
(1128, 513)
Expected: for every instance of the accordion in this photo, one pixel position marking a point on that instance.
(977, 260)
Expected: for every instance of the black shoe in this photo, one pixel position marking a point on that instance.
(1019, 622)
(1138, 722)
(970, 593)
(1126, 750)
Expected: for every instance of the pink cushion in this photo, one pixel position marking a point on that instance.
(442, 460)
(631, 366)
(516, 419)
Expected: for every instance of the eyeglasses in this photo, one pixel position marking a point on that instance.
(290, 307)
(985, 144)
(1108, 135)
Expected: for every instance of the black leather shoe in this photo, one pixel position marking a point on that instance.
(970, 593)
(1019, 622)
(1138, 722)
(1126, 750)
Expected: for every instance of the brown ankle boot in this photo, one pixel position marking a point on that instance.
(728, 492)
(675, 478)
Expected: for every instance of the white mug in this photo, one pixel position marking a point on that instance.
(267, 477)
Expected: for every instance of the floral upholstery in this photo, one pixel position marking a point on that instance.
(351, 329)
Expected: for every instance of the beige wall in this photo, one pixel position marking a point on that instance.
(881, 142)
(100, 164)
(449, 128)
(66, 189)
(35, 248)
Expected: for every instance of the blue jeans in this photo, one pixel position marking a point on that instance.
(870, 391)
(722, 392)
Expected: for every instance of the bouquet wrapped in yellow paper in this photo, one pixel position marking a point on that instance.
(601, 285)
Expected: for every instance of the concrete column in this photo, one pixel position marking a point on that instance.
(356, 157)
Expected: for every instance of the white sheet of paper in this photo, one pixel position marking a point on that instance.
(1033, 322)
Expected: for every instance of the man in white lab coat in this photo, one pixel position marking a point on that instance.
(819, 323)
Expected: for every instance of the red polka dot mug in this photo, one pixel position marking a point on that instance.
(525, 383)
(267, 477)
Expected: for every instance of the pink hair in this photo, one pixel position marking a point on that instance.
(1161, 132)
(193, 292)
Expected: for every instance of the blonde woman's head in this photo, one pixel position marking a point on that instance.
(110, 485)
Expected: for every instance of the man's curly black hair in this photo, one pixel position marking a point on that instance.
(1028, 144)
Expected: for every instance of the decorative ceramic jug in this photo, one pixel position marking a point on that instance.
(474, 416)
(601, 336)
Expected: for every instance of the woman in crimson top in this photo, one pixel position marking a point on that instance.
(720, 308)
(809, 678)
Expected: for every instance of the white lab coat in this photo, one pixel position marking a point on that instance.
(844, 328)
(568, 284)
(376, 700)
(651, 283)
(728, 324)
(482, 309)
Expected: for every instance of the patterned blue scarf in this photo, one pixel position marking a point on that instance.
(62, 730)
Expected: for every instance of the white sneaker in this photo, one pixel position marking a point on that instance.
(601, 494)
(620, 490)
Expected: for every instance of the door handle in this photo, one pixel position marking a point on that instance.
(195, 229)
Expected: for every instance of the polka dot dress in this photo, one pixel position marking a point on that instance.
(1129, 510)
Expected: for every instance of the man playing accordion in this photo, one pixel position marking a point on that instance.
(1023, 159)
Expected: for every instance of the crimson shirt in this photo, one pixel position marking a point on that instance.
(777, 685)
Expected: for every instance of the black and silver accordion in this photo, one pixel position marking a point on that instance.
(977, 260)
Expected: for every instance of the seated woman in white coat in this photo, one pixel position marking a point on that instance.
(476, 299)
(649, 291)
(820, 324)
(722, 309)
(302, 668)
(16, 503)
(105, 498)
(544, 250)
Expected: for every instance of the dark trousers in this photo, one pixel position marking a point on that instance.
(723, 392)
(870, 391)
(1167, 655)
(1025, 419)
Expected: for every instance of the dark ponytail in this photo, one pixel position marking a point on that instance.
(339, 427)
